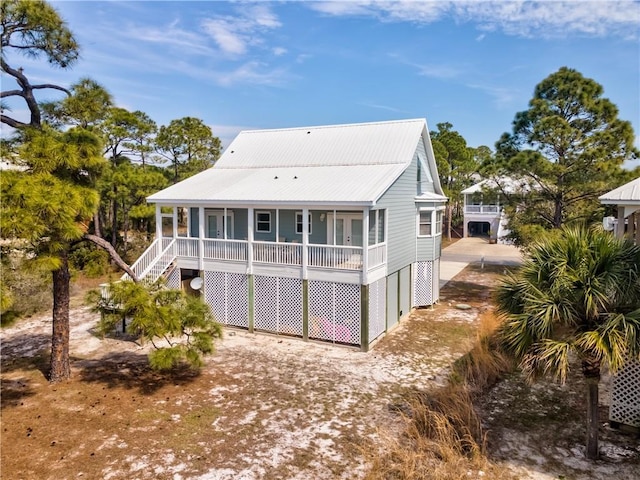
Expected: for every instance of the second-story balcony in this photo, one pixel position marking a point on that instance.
(482, 209)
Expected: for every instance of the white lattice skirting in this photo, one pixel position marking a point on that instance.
(227, 294)
(278, 305)
(334, 312)
(625, 395)
(173, 279)
(334, 309)
(425, 283)
(377, 308)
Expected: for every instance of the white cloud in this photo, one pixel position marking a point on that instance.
(234, 35)
(252, 72)
(513, 17)
(438, 71)
(503, 97)
(278, 51)
(172, 35)
(382, 107)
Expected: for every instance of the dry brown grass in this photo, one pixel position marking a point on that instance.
(484, 364)
(443, 436)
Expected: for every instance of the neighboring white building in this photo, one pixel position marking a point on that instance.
(483, 214)
(625, 391)
(330, 233)
(627, 200)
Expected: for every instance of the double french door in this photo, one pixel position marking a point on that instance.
(215, 224)
(348, 230)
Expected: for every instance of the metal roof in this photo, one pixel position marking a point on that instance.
(352, 164)
(628, 194)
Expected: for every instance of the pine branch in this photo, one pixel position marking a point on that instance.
(102, 243)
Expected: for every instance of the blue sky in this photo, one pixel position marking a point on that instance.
(243, 65)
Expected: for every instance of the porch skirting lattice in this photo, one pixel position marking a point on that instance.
(344, 313)
(278, 305)
(377, 308)
(426, 276)
(334, 312)
(227, 294)
(625, 395)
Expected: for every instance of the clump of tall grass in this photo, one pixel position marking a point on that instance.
(443, 436)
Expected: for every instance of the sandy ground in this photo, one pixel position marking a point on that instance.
(265, 406)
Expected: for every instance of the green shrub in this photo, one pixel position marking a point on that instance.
(25, 288)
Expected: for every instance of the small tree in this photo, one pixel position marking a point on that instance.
(180, 327)
(577, 294)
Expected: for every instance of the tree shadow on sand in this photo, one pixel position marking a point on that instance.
(132, 371)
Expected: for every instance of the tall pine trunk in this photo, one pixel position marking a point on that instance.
(60, 368)
(114, 219)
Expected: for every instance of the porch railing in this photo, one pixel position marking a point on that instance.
(279, 253)
(186, 247)
(482, 208)
(377, 255)
(161, 253)
(235, 250)
(335, 256)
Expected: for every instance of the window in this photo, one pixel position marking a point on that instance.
(429, 223)
(425, 224)
(438, 221)
(263, 222)
(376, 226)
(299, 223)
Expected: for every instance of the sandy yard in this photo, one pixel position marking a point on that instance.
(269, 407)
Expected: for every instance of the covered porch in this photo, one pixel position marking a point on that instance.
(267, 240)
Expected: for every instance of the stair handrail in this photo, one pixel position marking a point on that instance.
(155, 261)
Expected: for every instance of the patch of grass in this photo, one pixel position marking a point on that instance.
(443, 437)
(484, 364)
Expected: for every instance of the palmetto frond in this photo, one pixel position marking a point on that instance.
(547, 357)
(576, 292)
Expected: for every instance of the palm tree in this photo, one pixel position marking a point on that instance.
(577, 295)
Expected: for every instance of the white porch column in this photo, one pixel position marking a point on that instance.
(365, 245)
(277, 225)
(158, 222)
(305, 243)
(620, 226)
(175, 222)
(225, 227)
(250, 240)
(201, 238)
(334, 226)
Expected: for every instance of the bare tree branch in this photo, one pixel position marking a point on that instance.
(50, 85)
(12, 123)
(102, 243)
(10, 93)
